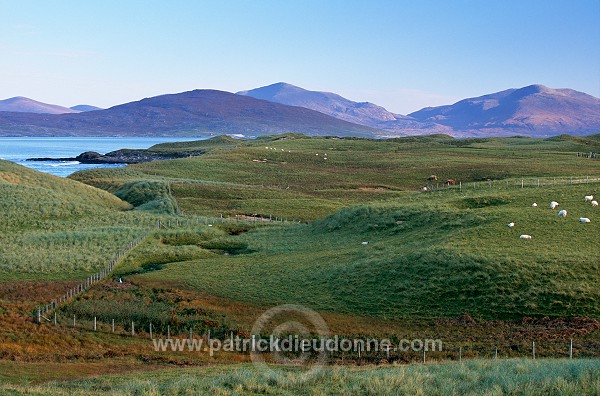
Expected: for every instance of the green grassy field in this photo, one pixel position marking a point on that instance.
(505, 377)
(288, 176)
(372, 254)
(428, 255)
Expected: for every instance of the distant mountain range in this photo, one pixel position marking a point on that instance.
(25, 105)
(82, 108)
(20, 104)
(194, 113)
(534, 110)
(363, 113)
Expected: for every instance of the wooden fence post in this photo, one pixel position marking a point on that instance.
(571, 349)
(151, 331)
(533, 349)
(459, 354)
(132, 329)
(113, 325)
(95, 323)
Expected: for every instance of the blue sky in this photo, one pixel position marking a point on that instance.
(403, 55)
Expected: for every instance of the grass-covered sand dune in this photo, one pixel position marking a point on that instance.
(56, 228)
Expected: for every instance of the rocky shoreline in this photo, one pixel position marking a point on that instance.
(124, 156)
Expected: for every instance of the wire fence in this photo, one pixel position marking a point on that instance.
(196, 339)
(43, 312)
(509, 184)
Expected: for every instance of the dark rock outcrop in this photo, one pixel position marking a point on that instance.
(124, 156)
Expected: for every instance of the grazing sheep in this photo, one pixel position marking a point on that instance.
(584, 220)
(554, 205)
(562, 213)
(594, 203)
(364, 243)
(424, 189)
(511, 224)
(525, 236)
(588, 198)
(432, 177)
(534, 205)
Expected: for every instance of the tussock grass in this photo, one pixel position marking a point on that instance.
(58, 229)
(509, 377)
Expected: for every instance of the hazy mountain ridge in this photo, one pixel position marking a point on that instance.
(363, 113)
(534, 110)
(84, 107)
(324, 102)
(22, 104)
(192, 113)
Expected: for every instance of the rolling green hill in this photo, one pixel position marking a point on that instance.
(56, 228)
(287, 176)
(374, 255)
(429, 255)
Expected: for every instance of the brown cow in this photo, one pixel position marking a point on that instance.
(450, 182)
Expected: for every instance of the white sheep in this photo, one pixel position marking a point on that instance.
(584, 220)
(554, 205)
(588, 198)
(511, 224)
(525, 236)
(562, 213)
(594, 203)
(534, 205)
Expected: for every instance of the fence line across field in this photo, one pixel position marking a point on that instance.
(457, 352)
(43, 312)
(513, 183)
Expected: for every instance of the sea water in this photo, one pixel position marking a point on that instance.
(18, 149)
